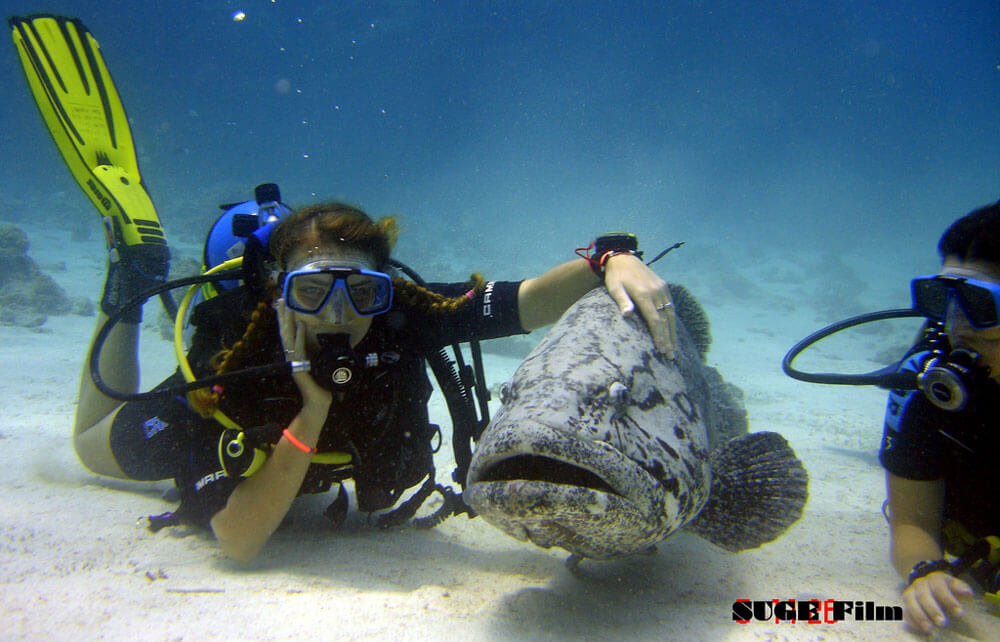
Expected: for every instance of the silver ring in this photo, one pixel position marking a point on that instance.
(665, 305)
(287, 351)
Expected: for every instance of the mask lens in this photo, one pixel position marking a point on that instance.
(362, 289)
(978, 303)
(930, 297)
(370, 294)
(308, 292)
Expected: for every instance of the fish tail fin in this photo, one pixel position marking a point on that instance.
(759, 489)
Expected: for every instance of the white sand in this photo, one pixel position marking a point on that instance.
(78, 563)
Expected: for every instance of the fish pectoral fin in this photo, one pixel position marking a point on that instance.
(759, 489)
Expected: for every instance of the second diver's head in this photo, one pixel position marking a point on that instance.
(331, 259)
(970, 253)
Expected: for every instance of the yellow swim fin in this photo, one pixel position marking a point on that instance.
(82, 110)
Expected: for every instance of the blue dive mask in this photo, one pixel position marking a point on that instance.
(979, 300)
(308, 289)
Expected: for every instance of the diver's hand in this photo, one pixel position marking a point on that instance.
(293, 341)
(930, 599)
(632, 284)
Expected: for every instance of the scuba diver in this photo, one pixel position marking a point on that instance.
(307, 364)
(940, 460)
(942, 426)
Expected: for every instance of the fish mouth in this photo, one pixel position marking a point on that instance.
(540, 468)
(547, 486)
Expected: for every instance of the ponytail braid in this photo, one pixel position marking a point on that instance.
(263, 325)
(424, 300)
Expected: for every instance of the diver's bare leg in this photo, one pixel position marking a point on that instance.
(119, 368)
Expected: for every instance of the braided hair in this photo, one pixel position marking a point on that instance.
(323, 225)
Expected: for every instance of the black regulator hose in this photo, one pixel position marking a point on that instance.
(887, 377)
(169, 391)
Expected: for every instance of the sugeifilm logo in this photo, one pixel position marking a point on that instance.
(813, 611)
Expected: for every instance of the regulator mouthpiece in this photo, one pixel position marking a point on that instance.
(335, 365)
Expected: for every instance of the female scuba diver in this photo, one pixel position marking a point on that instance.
(940, 450)
(326, 292)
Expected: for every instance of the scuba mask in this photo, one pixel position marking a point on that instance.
(309, 289)
(979, 300)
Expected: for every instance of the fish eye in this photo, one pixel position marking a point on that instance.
(506, 392)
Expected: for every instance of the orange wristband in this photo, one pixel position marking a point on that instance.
(293, 440)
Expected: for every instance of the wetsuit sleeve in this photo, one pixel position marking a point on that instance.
(910, 445)
(492, 313)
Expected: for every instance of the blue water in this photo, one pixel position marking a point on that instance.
(521, 129)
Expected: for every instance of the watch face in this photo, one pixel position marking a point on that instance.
(616, 241)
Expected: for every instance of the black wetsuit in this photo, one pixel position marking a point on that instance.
(381, 420)
(925, 443)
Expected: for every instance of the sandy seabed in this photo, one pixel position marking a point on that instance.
(77, 562)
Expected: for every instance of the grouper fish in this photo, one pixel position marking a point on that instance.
(604, 447)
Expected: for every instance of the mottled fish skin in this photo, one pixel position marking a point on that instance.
(596, 395)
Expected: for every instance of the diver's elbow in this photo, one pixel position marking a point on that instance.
(241, 552)
(241, 555)
(96, 456)
(237, 546)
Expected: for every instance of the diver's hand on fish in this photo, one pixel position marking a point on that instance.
(632, 284)
(293, 341)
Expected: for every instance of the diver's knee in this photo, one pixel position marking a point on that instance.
(95, 453)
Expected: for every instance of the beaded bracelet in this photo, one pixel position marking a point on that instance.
(926, 567)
